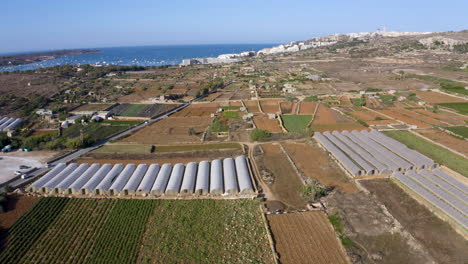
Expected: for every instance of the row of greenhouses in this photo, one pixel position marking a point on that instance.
(9, 123)
(227, 177)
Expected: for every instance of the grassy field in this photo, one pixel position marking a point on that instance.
(231, 114)
(63, 230)
(124, 148)
(133, 110)
(438, 154)
(461, 108)
(296, 123)
(459, 130)
(96, 131)
(230, 107)
(182, 148)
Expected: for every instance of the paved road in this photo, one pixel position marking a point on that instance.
(69, 157)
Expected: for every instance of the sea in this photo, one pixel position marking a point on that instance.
(143, 55)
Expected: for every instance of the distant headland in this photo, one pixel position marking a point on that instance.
(25, 58)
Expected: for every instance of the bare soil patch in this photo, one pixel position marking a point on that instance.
(437, 98)
(445, 139)
(252, 106)
(198, 110)
(305, 237)
(307, 108)
(15, 207)
(444, 116)
(263, 122)
(270, 106)
(328, 119)
(404, 118)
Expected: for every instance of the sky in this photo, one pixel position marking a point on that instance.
(36, 25)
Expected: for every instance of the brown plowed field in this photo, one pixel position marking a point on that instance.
(417, 116)
(236, 103)
(307, 108)
(198, 110)
(404, 118)
(445, 139)
(287, 185)
(170, 130)
(15, 207)
(288, 107)
(305, 237)
(345, 101)
(320, 167)
(328, 119)
(447, 117)
(263, 122)
(213, 96)
(369, 117)
(252, 106)
(270, 106)
(373, 103)
(437, 98)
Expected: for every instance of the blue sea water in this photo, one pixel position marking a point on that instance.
(143, 55)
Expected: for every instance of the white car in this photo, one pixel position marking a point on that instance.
(18, 173)
(25, 176)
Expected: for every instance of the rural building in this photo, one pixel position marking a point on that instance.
(289, 88)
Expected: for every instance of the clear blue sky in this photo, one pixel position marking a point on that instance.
(58, 24)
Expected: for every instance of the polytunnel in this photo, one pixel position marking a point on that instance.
(161, 181)
(36, 186)
(190, 175)
(243, 176)
(148, 180)
(75, 186)
(13, 125)
(52, 185)
(105, 182)
(134, 181)
(216, 177)
(175, 180)
(203, 178)
(230, 176)
(119, 181)
(69, 169)
(3, 119)
(6, 123)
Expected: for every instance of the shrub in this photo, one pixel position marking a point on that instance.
(259, 134)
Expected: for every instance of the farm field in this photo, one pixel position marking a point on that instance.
(96, 131)
(15, 207)
(289, 107)
(252, 106)
(443, 116)
(415, 115)
(93, 107)
(171, 130)
(198, 110)
(99, 231)
(263, 122)
(320, 167)
(461, 108)
(437, 237)
(270, 106)
(286, 185)
(327, 119)
(438, 154)
(445, 139)
(404, 118)
(437, 98)
(371, 118)
(143, 148)
(305, 237)
(124, 148)
(307, 108)
(461, 131)
(296, 123)
(141, 110)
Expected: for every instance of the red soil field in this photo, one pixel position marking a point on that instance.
(437, 98)
(417, 116)
(444, 116)
(263, 122)
(288, 107)
(445, 139)
(327, 119)
(15, 207)
(369, 117)
(270, 106)
(198, 110)
(307, 108)
(305, 237)
(404, 118)
(252, 106)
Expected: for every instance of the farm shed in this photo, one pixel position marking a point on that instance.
(161, 181)
(74, 185)
(119, 182)
(190, 175)
(346, 162)
(134, 181)
(243, 176)
(148, 179)
(44, 179)
(105, 184)
(175, 180)
(69, 169)
(230, 177)
(216, 177)
(203, 178)
(53, 185)
(90, 186)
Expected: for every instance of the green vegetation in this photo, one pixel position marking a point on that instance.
(387, 98)
(373, 90)
(231, 114)
(312, 98)
(197, 147)
(461, 48)
(133, 110)
(337, 224)
(438, 154)
(445, 84)
(359, 102)
(378, 118)
(259, 134)
(63, 230)
(219, 126)
(454, 68)
(296, 123)
(230, 108)
(121, 122)
(461, 108)
(459, 130)
(124, 148)
(96, 131)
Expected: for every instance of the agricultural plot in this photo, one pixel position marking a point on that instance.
(417, 116)
(93, 107)
(461, 131)
(461, 108)
(446, 117)
(321, 167)
(198, 110)
(265, 123)
(405, 119)
(252, 106)
(307, 108)
(438, 154)
(141, 110)
(289, 107)
(445, 139)
(171, 130)
(305, 237)
(296, 123)
(14, 207)
(328, 119)
(270, 106)
(124, 148)
(96, 131)
(437, 98)
(66, 230)
(371, 118)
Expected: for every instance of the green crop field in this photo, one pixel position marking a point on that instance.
(459, 130)
(133, 110)
(461, 108)
(124, 148)
(96, 131)
(296, 123)
(438, 154)
(63, 230)
(196, 147)
(230, 114)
